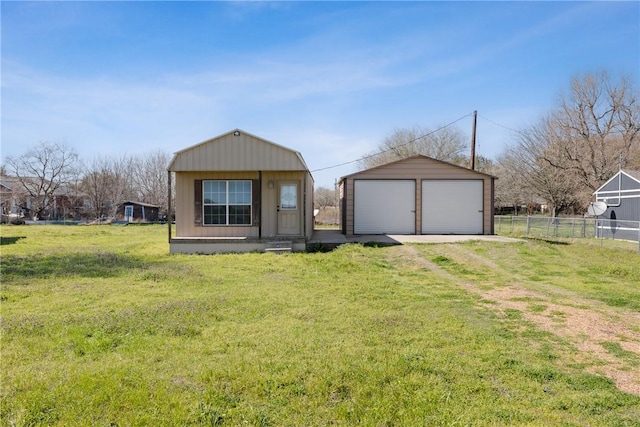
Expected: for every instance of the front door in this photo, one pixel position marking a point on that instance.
(288, 208)
(128, 213)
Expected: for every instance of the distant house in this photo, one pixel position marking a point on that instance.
(12, 196)
(137, 212)
(621, 193)
(417, 195)
(238, 192)
(66, 202)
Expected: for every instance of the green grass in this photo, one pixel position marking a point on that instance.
(610, 275)
(617, 350)
(101, 326)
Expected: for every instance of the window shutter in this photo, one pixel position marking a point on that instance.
(197, 206)
(255, 202)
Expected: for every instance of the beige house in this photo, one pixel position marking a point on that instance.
(237, 193)
(417, 195)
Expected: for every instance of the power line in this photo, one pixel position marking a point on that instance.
(501, 125)
(391, 149)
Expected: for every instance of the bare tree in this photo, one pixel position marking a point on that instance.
(634, 160)
(533, 176)
(508, 191)
(150, 178)
(483, 164)
(324, 197)
(42, 171)
(579, 145)
(108, 182)
(596, 128)
(447, 144)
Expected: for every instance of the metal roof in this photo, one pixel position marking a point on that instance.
(237, 150)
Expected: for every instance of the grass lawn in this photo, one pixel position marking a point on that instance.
(101, 326)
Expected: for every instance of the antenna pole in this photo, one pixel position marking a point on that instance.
(472, 162)
(619, 179)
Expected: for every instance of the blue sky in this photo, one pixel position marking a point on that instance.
(329, 79)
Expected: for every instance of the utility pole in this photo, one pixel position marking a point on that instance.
(473, 141)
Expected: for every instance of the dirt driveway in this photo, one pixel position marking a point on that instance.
(587, 329)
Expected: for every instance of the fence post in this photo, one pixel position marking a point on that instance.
(601, 230)
(527, 233)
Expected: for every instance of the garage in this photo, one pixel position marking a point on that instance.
(452, 207)
(417, 195)
(385, 206)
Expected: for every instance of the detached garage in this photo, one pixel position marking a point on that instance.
(417, 195)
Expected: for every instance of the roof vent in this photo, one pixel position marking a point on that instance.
(236, 133)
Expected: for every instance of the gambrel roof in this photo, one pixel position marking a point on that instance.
(237, 150)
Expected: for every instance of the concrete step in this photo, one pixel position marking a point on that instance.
(279, 247)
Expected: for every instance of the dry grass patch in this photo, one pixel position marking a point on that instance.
(561, 304)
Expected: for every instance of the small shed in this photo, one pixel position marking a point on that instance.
(417, 195)
(621, 193)
(137, 212)
(238, 192)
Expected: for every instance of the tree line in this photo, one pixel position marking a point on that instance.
(591, 133)
(51, 181)
(558, 161)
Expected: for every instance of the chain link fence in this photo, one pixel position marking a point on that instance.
(585, 228)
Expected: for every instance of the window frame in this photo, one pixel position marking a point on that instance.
(227, 204)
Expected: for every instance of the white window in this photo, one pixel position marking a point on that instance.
(289, 196)
(128, 213)
(226, 202)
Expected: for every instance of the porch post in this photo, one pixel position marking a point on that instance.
(304, 206)
(169, 204)
(260, 206)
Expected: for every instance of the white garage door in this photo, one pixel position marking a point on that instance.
(452, 207)
(384, 207)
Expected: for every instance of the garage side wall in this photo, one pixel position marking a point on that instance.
(416, 168)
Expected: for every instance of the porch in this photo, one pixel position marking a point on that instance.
(217, 245)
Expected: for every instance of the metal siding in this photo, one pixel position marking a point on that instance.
(308, 213)
(626, 183)
(417, 168)
(185, 200)
(625, 193)
(270, 199)
(452, 206)
(629, 210)
(384, 207)
(237, 153)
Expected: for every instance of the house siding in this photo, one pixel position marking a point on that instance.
(270, 200)
(186, 225)
(308, 203)
(266, 227)
(417, 168)
(622, 195)
(237, 153)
